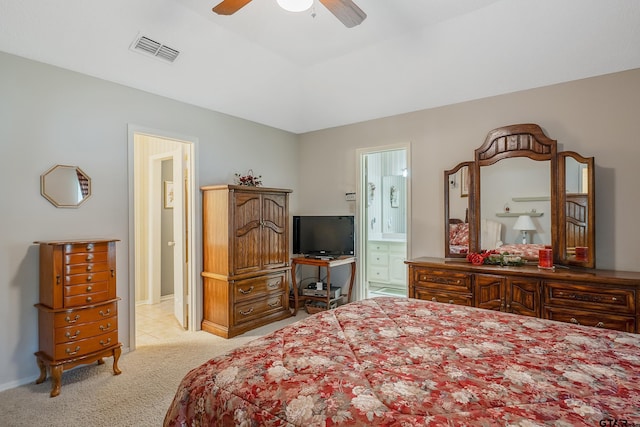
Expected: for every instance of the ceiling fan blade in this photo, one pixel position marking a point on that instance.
(229, 7)
(346, 11)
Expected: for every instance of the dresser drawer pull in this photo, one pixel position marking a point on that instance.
(89, 278)
(105, 328)
(72, 352)
(274, 304)
(450, 301)
(90, 247)
(89, 257)
(89, 267)
(104, 344)
(105, 314)
(72, 337)
(89, 299)
(248, 312)
(243, 292)
(434, 299)
(273, 284)
(614, 299)
(75, 319)
(89, 288)
(600, 325)
(574, 321)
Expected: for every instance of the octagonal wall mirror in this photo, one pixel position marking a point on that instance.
(65, 186)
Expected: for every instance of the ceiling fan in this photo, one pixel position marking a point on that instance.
(345, 10)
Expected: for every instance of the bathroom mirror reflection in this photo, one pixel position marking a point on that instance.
(65, 186)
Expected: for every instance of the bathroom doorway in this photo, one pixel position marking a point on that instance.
(383, 220)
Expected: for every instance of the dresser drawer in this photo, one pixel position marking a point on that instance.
(82, 347)
(86, 257)
(86, 247)
(581, 296)
(86, 268)
(442, 280)
(259, 287)
(86, 330)
(378, 258)
(378, 273)
(590, 318)
(76, 279)
(84, 299)
(85, 288)
(74, 317)
(257, 308)
(450, 298)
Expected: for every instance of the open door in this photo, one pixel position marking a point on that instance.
(180, 216)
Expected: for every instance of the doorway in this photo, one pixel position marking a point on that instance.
(161, 209)
(384, 220)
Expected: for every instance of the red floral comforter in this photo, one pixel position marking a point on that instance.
(406, 362)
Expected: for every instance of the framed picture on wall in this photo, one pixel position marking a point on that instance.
(168, 194)
(464, 182)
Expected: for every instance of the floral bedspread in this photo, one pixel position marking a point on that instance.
(405, 362)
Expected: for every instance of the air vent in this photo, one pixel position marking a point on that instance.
(147, 46)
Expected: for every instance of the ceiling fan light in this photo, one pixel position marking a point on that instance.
(295, 5)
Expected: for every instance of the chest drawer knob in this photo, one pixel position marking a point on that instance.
(89, 267)
(248, 312)
(105, 328)
(89, 257)
(245, 292)
(74, 320)
(89, 288)
(89, 278)
(90, 247)
(72, 352)
(89, 299)
(103, 314)
(72, 337)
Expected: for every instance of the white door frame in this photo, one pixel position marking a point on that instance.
(361, 206)
(193, 295)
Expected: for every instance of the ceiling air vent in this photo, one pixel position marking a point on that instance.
(147, 46)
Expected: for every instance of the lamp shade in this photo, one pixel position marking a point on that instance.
(524, 223)
(295, 5)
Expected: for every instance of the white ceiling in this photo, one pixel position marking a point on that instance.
(302, 73)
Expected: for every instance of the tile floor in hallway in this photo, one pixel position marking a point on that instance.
(156, 323)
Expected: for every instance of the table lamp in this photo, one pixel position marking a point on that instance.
(524, 224)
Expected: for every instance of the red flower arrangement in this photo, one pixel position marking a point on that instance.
(249, 179)
(482, 257)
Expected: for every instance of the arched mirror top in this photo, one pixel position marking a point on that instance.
(525, 140)
(559, 208)
(65, 186)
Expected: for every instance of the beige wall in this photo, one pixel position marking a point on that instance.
(595, 117)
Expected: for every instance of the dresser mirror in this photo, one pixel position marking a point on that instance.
(518, 177)
(65, 186)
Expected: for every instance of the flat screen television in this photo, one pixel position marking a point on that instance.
(323, 235)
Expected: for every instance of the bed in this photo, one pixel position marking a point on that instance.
(406, 362)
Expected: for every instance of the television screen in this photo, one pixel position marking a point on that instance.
(323, 235)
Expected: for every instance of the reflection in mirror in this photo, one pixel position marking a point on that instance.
(510, 188)
(457, 184)
(576, 215)
(65, 186)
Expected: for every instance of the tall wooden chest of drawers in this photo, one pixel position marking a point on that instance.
(78, 309)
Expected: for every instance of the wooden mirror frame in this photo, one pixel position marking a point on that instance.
(528, 140)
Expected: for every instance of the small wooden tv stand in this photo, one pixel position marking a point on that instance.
(328, 264)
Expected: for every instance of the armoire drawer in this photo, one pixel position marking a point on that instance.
(620, 301)
(258, 308)
(86, 330)
(258, 287)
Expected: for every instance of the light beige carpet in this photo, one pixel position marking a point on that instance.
(92, 396)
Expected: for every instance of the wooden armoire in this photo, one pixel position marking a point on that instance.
(245, 257)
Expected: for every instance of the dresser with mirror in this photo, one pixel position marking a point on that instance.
(519, 196)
